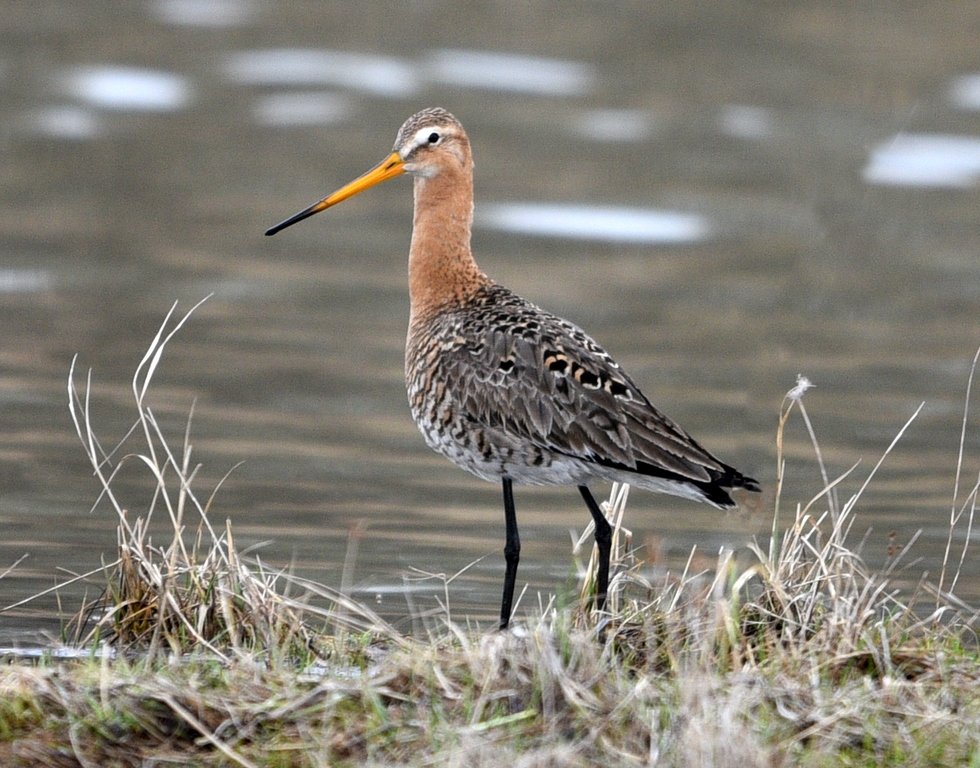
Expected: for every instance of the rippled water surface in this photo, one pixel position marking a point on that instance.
(725, 195)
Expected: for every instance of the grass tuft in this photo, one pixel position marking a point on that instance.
(195, 592)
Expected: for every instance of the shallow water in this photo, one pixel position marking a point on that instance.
(724, 197)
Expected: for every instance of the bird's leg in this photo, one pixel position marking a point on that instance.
(512, 553)
(603, 541)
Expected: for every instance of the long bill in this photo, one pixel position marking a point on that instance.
(391, 166)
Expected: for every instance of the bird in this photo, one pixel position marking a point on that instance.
(508, 391)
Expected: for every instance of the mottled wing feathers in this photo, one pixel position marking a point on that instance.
(541, 380)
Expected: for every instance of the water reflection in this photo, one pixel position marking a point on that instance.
(925, 160)
(128, 88)
(744, 122)
(497, 71)
(965, 93)
(377, 75)
(63, 121)
(593, 222)
(392, 77)
(25, 280)
(204, 13)
(302, 109)
(614, 125)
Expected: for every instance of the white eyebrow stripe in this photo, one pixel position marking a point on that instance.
(422, 136)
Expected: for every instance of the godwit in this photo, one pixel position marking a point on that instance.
(504, 389)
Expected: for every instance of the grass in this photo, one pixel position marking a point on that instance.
(196, 655)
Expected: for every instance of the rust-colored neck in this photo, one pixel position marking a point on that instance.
(441, 269)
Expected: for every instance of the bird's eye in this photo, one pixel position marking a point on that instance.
(434, 138)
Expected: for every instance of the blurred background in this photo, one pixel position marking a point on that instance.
(724, 194)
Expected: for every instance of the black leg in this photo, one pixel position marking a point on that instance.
(512, 553)
(603, 541)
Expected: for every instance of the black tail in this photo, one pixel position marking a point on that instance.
(716, 489)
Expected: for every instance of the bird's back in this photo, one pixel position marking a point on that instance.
(503, 388)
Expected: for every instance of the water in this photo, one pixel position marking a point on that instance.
(723, 198)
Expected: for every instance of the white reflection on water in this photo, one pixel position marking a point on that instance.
(586, 222)
(509, 72)
(63, 122)
(388, 76)
(128, 88)
(614, 125)
(24, 280)
(204, 13)
(745, 122)
(965, 92)
(380, 75)
(925, 160)
(302, 108)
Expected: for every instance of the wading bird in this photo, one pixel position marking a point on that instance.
(506, 390)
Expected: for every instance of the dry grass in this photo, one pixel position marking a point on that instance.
(203, 657)
(196, 592)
